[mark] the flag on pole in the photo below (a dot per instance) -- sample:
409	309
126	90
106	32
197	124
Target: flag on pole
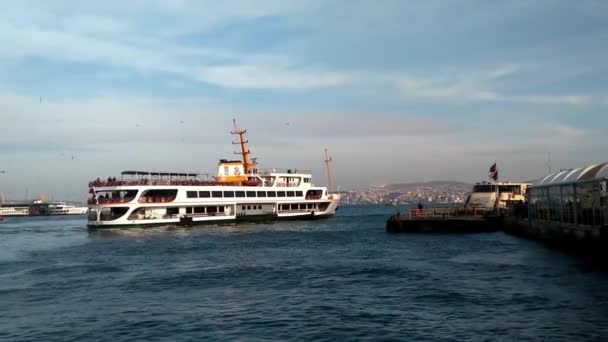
494	172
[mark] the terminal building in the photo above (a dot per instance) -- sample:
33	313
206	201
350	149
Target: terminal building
570	203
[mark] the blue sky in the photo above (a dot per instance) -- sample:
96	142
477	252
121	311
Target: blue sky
397	90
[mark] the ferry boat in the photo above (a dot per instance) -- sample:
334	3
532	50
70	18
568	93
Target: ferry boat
240	192
14	209
62	208
484	210
40	208
496	195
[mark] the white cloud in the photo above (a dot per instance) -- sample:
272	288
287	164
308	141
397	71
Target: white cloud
147	37
476	87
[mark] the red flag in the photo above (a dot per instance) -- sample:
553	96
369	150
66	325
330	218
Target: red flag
494	172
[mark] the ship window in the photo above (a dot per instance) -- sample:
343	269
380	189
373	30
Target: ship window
272	194
302	206
280	193
188	210
299	194
226	171
248	207
172	211
306	180
250	193
290	194
199	210
221	209
204	194
261	193
228	193
239	193
216	194
309	206
191	194
243	207
284	206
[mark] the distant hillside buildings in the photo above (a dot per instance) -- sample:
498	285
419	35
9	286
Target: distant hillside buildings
396	194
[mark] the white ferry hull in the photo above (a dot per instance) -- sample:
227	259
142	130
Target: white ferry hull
217	219
223	218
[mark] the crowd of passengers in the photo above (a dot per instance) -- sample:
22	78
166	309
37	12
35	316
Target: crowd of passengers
108	199
111	181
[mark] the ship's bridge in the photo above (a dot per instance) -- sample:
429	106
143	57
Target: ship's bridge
282	177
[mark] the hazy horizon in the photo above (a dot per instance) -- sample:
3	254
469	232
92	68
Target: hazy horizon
397	91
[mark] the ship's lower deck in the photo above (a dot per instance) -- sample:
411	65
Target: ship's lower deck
197	214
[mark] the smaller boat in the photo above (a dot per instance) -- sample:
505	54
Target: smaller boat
483	210
62	208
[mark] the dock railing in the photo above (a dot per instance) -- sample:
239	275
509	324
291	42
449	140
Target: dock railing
449	212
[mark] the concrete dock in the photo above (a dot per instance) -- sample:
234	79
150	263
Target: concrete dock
446	220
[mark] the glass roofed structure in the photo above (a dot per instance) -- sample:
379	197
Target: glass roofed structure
571	197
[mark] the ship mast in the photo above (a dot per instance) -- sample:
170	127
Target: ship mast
328	161
245	152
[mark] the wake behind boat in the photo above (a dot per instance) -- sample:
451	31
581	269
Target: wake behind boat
239	192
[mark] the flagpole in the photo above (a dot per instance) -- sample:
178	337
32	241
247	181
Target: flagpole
496	184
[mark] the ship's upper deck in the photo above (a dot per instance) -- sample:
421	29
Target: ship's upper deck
255	177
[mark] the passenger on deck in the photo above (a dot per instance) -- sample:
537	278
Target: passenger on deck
420	206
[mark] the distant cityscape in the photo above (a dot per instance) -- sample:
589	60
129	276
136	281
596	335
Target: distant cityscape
396	194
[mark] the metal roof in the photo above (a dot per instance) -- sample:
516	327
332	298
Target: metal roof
159	174
581	174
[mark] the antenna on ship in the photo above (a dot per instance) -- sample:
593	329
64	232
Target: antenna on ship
1	193
328	161
245	152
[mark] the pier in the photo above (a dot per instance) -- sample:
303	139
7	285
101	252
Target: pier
448	220
566	209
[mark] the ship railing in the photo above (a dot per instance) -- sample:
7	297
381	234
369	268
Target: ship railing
155	199
449	212
103	200
109	217
207	214
286	185
268	171
138	182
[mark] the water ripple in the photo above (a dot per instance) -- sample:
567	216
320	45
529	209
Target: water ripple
340	279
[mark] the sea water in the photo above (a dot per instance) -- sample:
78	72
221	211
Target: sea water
340	279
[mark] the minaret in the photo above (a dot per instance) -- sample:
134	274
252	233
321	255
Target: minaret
328	161
245	152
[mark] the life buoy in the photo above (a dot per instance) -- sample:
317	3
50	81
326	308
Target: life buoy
237	171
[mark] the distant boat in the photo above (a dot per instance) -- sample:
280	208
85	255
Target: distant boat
62	208
41	208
